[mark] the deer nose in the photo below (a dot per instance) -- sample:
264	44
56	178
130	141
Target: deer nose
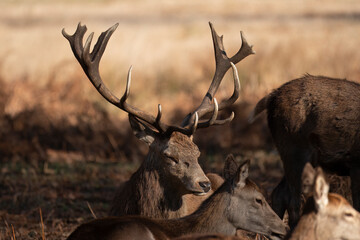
206	186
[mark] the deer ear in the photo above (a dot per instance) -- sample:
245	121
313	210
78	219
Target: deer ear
321	190
141	131
230	167
242	174
307	179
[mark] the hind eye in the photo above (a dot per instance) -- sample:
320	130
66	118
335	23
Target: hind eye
348	215
259	201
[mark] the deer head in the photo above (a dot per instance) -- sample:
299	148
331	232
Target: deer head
248	208
172	152
326	215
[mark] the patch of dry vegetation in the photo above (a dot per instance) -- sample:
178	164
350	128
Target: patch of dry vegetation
170	47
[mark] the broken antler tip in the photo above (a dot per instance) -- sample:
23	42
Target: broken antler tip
80	26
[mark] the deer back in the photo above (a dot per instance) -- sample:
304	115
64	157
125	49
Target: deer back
322	111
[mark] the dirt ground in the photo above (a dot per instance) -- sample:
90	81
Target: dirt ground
64	150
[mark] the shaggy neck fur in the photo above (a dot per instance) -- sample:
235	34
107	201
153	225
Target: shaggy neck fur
149	193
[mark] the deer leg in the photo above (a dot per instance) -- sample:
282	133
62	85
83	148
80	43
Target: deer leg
294	158
355	186
280	198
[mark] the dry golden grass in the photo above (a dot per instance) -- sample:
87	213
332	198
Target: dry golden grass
170	47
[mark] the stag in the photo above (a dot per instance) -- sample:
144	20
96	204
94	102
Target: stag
236	204
326	215
313	119
171	169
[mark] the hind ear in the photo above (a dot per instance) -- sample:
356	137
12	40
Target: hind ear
141	131
230	167
242	174
321	190
307	180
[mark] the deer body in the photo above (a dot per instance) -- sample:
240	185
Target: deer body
237	204
326	215
171	169
317	120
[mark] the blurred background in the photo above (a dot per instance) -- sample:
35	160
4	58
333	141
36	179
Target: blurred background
63	148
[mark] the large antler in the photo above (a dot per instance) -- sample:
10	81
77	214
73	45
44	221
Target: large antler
90	64
89	61
223	63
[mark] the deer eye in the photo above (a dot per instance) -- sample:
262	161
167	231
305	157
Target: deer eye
173	159
258	201
170	157
348	215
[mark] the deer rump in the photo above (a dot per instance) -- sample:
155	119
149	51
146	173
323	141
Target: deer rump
315	119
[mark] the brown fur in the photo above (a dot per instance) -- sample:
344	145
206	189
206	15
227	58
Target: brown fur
208	237
314	119
236	204
338	184
326	215
193	202
158	188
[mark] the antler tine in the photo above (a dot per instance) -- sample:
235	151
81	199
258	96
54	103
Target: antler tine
90	64
236	92
244	51
90	61
155	122
158	124
190	130
223	63
76	40
213	120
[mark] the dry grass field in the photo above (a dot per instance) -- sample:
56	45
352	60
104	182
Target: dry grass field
63	148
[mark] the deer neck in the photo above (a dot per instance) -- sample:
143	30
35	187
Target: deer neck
305	228
157	196
209	218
